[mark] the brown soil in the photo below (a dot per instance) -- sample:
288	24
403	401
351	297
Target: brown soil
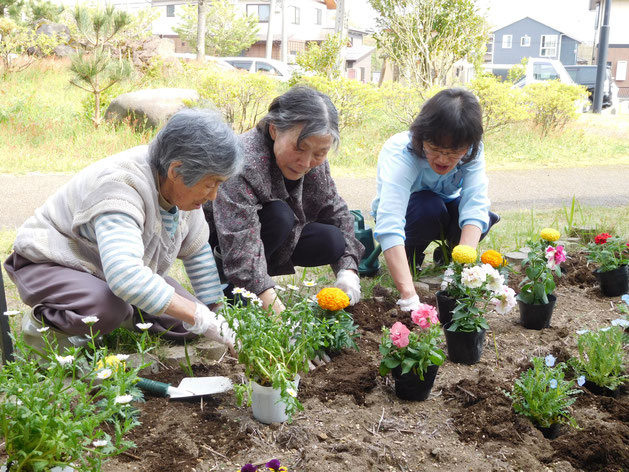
353	421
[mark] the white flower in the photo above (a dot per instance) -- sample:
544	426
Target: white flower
122	357
279	288
309	283
581	381
104	374
620	322
123	399
11	313
553	383
605	329
18	402
248	294
256	302
550	360
495	281
292	287
63	360
291	392
100	443
90	320
504	300
43	329
237	290
144	326
313	299
582	331
473	277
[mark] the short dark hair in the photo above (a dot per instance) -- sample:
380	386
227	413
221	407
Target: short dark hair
302	105
451	119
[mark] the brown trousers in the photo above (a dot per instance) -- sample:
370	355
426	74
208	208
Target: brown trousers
62	297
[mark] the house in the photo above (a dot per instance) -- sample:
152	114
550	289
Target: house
618	49
529	38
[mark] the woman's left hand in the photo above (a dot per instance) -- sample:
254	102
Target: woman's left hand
348	281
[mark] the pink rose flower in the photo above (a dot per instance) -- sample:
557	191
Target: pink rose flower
399	335
424	316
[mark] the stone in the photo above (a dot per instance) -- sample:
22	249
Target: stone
208	349
434	283
63	50
136	360
422	287
149	107
515	258
175	356
58	29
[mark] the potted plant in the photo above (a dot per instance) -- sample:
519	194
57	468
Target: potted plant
611	255
413	356
543	396
480	288
536	300
601	359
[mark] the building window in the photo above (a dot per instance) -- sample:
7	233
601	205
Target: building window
170	11
293	15
525	41
506	41
548	45
621	71
318	16
261	11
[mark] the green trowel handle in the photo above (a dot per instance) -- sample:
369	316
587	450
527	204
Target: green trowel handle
153	386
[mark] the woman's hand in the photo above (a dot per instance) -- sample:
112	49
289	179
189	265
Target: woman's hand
348	281
270	299
213	326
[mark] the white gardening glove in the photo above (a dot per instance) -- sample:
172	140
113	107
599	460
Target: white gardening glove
409	304
212	326
348	281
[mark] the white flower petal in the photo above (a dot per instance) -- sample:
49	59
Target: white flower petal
123	399
11	313
144	326
89	320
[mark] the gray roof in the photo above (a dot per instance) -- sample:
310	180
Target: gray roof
356	53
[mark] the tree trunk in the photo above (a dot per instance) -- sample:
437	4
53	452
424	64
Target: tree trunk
201	28
383	71
269	33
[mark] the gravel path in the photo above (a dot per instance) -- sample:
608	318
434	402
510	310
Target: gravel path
607	186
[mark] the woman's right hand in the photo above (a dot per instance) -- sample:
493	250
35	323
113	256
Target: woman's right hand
270	299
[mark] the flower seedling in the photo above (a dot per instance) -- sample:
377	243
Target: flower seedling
271	466
601	356
541	265
476	288
608	252
542	395
416	350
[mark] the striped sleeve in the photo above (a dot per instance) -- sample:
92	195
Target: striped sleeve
201	270
119	240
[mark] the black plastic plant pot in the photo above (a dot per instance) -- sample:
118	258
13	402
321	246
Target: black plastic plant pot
551	432
411	387
537	316
464	347
601	391
613	282
445	306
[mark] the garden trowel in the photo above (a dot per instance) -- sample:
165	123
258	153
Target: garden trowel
188	388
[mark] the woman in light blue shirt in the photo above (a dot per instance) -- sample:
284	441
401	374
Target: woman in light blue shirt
431	186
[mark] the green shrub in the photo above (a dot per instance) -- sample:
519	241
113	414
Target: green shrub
322	59
553	104
501	104
352	98
242	98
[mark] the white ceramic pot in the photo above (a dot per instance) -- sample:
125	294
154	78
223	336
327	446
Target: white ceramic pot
267	405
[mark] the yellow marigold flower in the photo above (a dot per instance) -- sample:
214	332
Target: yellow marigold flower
464	254
549	234
110	361
332	299
493	258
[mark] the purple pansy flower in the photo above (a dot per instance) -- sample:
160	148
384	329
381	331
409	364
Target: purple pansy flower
273	464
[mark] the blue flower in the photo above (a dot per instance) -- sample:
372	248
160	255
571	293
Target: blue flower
625	298
553	383
550	360
248	468
581	380
273	464
620	322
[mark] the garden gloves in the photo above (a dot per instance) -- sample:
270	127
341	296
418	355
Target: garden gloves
212	326
348	281
409	304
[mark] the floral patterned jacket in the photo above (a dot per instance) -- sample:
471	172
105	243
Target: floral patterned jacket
234	216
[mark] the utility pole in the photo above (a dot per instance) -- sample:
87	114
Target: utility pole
201	28
284	33
341	29
269	31
601	60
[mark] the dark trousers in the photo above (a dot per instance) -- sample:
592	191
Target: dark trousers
429	218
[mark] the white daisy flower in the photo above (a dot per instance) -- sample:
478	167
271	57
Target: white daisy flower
100	443
279	288
291	392
256	302
122	357
309	283
248	294
11	313
43	329
90	320
292	287
104	374
144	326
605	329
238	290
123	399
63	360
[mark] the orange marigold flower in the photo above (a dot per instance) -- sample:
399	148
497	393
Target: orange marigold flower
493	258
332	299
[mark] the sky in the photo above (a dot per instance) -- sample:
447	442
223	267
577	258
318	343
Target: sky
569	16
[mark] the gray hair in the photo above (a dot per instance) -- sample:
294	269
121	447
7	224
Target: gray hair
302	105
201	141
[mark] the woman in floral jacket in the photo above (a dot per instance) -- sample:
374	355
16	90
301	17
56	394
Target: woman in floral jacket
284	210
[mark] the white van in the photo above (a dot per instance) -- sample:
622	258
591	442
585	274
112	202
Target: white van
271	67
539	69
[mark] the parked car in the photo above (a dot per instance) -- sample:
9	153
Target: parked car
586	75
271	67
539	69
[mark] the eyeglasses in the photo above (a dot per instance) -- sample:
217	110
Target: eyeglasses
451	155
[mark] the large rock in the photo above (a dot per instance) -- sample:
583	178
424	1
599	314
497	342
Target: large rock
52	29
151	107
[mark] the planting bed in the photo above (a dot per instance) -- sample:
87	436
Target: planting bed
353	421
